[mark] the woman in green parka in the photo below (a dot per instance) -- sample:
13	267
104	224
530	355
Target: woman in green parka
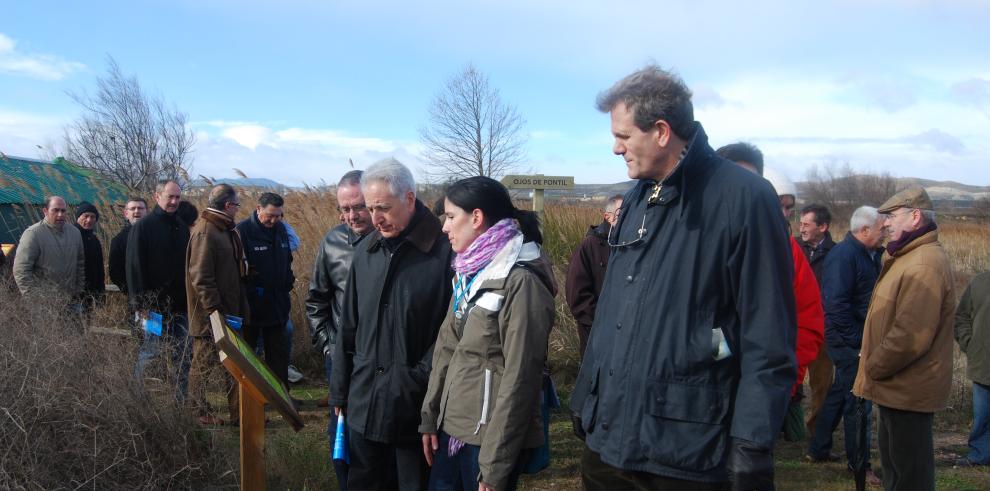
481	415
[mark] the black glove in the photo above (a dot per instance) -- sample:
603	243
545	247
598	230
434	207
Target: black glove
577	427
750	466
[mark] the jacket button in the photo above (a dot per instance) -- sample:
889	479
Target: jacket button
380	370
629	278
385	305
605	426
618	325
609	372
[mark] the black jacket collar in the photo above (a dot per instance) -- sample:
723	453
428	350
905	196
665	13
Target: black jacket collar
696	162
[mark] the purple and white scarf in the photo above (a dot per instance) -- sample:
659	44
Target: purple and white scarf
485	247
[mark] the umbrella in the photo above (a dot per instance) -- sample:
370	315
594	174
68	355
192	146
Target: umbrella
862	457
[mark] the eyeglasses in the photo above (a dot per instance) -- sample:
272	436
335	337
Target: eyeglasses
639	238
355	208
894	215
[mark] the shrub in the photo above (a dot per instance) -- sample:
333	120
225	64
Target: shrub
71	415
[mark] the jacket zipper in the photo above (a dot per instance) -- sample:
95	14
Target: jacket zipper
484	404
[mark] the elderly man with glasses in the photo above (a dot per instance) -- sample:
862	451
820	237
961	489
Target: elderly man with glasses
587	271
689	367
216	271
905	364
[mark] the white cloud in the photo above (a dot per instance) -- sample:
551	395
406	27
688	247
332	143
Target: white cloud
35	65
249	135
293	155
21	133
973	92
334	139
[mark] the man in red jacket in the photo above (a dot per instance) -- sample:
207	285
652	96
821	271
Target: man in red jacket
807	296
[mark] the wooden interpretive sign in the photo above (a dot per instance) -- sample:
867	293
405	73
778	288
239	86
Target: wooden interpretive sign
538	183
257	385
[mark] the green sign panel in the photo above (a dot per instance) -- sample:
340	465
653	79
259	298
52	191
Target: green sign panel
240	360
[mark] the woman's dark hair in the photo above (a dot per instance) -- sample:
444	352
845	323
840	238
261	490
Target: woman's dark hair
491	197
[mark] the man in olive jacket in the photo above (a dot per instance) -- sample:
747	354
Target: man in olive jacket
905	364
50	254
689	368
215	281
396	299
973	336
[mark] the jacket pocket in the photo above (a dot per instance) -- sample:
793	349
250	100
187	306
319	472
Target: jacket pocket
685	427
589	411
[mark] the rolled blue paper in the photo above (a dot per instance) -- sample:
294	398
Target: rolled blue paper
153	323
340	441
234	322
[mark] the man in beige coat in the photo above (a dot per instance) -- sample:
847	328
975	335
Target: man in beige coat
50	254
905	365
215	272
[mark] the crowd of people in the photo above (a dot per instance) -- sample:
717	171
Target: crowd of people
699	316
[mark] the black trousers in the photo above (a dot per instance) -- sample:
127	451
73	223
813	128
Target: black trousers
906	450
599	476
276	347
377	466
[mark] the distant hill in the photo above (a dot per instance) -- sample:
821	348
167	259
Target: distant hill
940	191
243	182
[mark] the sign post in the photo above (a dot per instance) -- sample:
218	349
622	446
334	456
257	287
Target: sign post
538	183
257	385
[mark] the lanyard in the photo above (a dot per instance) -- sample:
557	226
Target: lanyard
463	292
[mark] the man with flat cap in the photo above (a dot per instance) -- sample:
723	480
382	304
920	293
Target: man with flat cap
905	364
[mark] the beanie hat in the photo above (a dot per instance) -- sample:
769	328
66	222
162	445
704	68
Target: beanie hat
86	207
780	182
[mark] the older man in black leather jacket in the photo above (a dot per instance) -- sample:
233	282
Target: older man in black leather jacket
330	271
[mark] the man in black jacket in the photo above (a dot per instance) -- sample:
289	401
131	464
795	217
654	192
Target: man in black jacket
269	281
95	284
134	210
326	288
816	242
587	271
155	269
689	368
396	297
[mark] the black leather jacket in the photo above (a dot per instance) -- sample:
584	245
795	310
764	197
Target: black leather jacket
326	288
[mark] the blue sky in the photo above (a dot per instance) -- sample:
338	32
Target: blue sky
290	90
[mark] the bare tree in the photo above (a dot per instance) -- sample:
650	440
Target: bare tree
842	190
127	135
471	131
982	207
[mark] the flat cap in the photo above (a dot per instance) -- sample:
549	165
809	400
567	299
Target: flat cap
913	197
